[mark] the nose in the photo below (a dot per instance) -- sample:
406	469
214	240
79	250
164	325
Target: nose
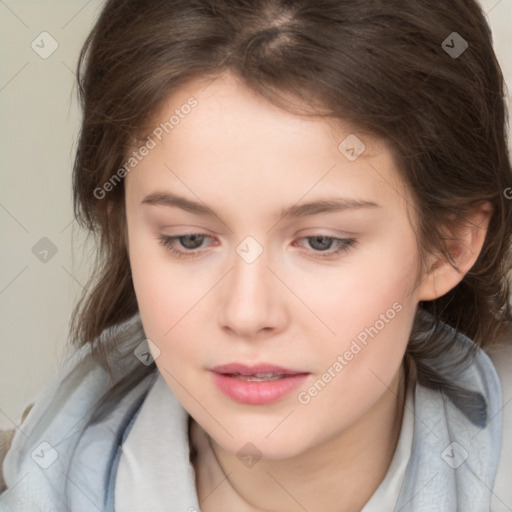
251	304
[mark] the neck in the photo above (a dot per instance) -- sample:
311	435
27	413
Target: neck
339	475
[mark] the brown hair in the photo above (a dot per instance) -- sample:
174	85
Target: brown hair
381	65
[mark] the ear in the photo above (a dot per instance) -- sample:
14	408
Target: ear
464	249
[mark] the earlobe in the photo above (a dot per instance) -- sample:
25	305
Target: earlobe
440	279
464	248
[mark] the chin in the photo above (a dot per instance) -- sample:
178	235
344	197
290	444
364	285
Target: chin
252	445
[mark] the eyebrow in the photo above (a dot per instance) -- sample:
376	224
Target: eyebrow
325	205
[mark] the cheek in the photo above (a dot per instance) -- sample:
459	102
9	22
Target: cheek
368	284
165	306
164	292
370	310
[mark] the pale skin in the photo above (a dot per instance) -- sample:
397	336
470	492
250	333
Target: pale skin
246	160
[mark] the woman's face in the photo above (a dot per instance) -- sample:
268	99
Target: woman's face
325	293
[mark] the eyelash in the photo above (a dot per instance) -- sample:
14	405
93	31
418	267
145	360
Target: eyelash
169	243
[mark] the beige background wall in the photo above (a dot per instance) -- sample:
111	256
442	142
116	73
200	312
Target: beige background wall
39	123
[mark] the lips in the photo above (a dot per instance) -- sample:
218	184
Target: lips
263	368
256	384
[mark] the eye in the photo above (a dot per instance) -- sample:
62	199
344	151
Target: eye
322	244
189	244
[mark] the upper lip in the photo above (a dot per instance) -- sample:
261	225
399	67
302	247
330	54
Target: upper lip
244	369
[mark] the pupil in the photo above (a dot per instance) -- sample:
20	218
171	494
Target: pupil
326	239
192	240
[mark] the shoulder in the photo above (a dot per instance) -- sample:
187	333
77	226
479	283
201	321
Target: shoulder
500	353
6	436
72	396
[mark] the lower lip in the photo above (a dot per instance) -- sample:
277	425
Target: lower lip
257	393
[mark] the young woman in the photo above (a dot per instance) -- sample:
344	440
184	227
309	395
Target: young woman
304	219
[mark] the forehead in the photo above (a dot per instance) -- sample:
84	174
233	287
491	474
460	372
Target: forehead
218	135
226	107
